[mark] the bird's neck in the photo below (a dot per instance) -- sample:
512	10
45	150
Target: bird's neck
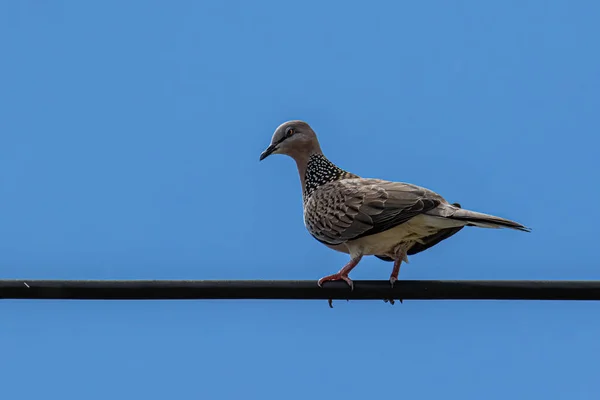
316	170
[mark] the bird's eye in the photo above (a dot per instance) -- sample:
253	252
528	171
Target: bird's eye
290	132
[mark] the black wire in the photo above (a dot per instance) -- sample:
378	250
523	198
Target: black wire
299	290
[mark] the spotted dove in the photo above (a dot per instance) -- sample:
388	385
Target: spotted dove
364	216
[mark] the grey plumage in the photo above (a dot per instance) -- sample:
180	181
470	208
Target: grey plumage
349	209
366	216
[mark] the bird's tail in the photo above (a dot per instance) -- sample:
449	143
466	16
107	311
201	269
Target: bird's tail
486	221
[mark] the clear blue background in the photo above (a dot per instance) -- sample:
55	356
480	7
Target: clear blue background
129	142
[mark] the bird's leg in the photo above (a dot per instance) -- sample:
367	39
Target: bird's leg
342	274
400	256
395	271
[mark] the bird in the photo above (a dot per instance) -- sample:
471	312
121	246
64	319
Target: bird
369	216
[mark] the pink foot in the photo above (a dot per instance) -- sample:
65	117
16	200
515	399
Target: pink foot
336	277
395	270
342	274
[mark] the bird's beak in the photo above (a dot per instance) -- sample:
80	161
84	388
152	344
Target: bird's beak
268	151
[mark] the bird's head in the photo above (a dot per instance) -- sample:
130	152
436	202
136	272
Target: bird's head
293	138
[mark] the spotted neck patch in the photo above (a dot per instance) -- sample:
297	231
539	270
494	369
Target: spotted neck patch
319	171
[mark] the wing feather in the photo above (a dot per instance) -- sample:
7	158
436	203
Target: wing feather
352	208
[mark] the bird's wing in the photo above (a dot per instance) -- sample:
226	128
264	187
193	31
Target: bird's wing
352	208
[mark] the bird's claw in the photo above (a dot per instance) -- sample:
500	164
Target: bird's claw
330	301
392	301
336	277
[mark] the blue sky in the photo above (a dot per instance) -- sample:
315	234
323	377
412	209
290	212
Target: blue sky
130	136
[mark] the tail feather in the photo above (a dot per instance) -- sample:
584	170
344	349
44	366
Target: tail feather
486	221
